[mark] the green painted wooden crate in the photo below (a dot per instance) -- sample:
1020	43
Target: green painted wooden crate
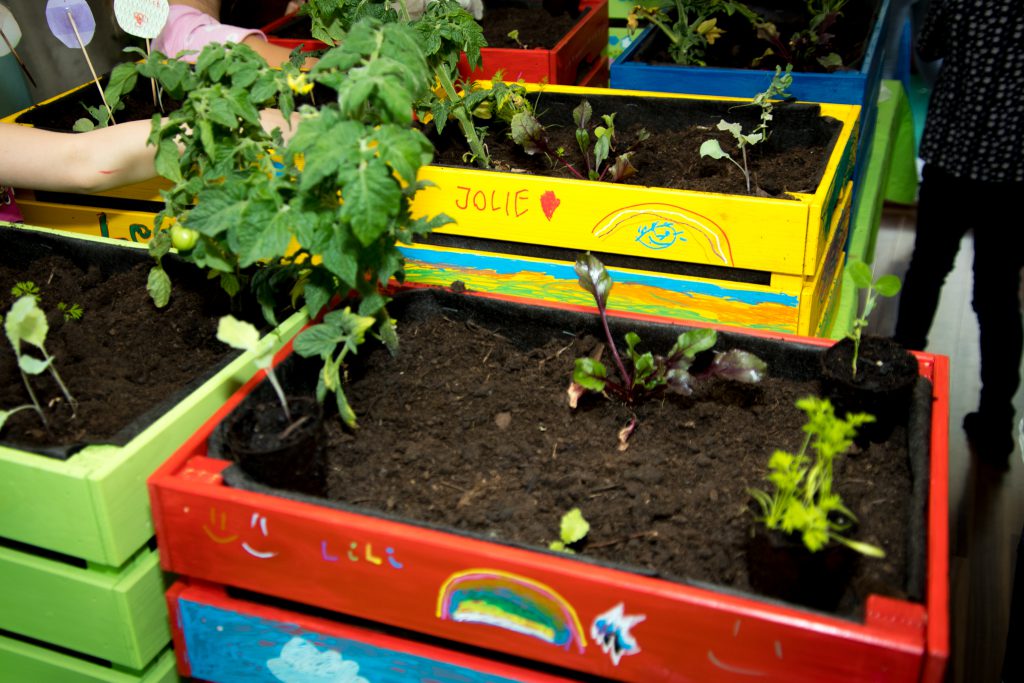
81	592
24	662
117	616
94	506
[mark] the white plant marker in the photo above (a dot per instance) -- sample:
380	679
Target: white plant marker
10	36
143	19
73	24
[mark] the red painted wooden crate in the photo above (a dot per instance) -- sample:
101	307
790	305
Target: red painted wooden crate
403	575
577	59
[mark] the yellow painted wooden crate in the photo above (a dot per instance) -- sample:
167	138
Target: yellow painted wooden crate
781	236
778	302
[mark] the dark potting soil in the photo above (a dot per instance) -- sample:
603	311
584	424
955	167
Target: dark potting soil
537	27
792	159
739	46
469	430
120	360
61	114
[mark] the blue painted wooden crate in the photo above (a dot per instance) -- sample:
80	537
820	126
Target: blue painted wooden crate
859	86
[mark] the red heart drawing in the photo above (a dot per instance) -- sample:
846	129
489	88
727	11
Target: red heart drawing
549	202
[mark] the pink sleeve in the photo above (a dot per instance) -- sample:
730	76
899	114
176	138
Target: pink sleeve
189	29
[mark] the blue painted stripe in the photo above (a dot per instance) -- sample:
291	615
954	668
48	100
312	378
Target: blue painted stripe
562	271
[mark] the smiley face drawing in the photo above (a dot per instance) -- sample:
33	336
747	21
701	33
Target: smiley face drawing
216	529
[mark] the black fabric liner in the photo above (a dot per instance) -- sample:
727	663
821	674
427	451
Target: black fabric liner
22	246
530	326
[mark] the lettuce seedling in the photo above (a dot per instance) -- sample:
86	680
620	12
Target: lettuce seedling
863	278
803	501
781	82
26	322
572	529
244	336
650	373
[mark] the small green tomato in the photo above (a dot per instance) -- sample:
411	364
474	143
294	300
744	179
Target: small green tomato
182	238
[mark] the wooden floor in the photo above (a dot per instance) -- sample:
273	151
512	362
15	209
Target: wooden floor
986	506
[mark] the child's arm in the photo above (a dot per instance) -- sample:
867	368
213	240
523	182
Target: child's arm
75	162
98	160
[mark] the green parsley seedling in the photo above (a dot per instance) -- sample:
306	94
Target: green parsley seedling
70	311
803	501
26	288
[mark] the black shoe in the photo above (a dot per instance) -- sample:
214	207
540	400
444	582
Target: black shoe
992	439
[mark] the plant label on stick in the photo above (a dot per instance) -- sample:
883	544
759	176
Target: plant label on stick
12	32
72	22
10	36
141	18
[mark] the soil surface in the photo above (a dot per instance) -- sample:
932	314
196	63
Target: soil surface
538	27
792	159
124	357
740	45
469	428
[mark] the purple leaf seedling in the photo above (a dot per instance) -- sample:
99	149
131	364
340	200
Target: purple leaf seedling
650	374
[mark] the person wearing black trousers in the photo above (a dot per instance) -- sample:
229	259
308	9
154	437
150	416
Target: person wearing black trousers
973	178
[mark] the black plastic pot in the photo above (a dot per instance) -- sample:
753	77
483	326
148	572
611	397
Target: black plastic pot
781	566
271	449
883	385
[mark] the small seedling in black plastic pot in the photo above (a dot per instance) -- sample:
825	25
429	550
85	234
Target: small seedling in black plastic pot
800	549
863	278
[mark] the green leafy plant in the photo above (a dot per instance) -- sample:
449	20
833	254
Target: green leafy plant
332	19
26	323
120	82
340	334
690	25
70	311
446	31
242	335
313	218
572	529
863	279
803	500
648	374
810	45
596	143
26	288
778	87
